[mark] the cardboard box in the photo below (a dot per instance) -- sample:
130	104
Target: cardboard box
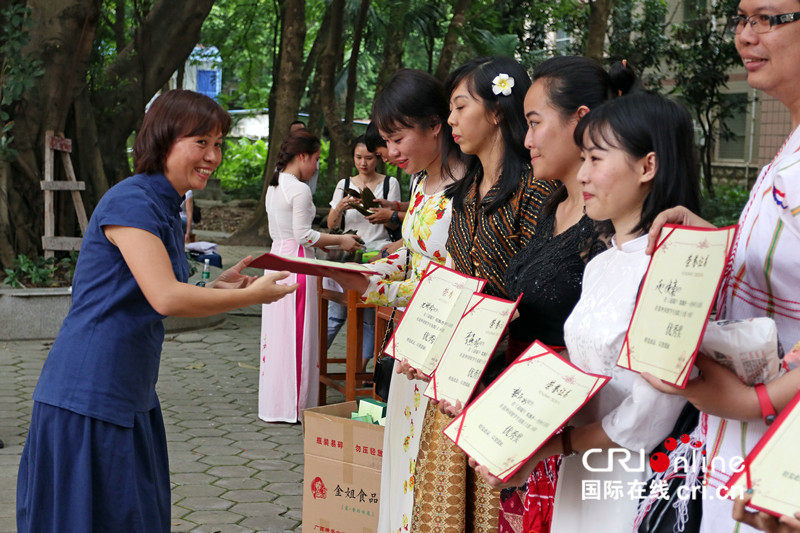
342	473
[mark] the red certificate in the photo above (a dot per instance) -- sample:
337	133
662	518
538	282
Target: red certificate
305	265
530	401
772	469
675	301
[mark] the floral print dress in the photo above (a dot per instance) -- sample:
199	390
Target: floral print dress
425	230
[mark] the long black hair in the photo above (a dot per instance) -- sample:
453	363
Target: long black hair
641	123
479	75
575	81
415	99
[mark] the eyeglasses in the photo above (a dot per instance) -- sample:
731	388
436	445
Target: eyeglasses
760	23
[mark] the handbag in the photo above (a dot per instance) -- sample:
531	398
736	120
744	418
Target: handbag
384	366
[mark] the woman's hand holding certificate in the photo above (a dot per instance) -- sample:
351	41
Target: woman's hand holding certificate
438	303
522	409
475	338
675	301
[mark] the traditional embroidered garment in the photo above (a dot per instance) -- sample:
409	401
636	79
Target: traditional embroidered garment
425	234
764	281
289	373
482	244
632	413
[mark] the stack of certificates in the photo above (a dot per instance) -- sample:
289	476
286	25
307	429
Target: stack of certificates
370	411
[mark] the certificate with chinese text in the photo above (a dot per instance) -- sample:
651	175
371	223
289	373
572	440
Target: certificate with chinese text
772	469
675	301
522	409
465	358
439	301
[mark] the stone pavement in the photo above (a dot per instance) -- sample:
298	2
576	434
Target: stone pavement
230	471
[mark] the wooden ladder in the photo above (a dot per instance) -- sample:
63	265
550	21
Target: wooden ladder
50	241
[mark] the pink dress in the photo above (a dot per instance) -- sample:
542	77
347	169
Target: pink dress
289	373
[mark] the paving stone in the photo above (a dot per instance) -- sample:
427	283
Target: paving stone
222	528
198	491
224	460
275	464
235	483
213	517
206	504
192	478
289	489
186	465
270	524
245	496
231	471
278	476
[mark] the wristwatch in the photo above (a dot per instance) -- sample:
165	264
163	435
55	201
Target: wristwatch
395	218
767	409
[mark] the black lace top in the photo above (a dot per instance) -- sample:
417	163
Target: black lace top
548	272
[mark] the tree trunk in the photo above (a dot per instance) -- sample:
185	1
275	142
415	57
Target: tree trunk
393	44
599	11
61	38
160	45
451	39
287	104
339	131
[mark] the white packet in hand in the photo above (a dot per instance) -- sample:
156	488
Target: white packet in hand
748	347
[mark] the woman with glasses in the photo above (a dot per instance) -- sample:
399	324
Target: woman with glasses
763	277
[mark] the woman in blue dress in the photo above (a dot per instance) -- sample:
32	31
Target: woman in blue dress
96	454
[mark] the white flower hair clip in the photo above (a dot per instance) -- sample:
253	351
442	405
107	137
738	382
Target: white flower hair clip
502	84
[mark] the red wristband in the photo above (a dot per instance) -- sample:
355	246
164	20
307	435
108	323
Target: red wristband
767	409
397	204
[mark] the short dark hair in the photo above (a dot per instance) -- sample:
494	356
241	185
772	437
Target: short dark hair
172	116
373	139
479	75
296	143
415	99
641	123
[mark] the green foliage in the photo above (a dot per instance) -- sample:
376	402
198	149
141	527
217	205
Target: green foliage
40	272
701	56
246	35
726	205
18	71
640	36
242	167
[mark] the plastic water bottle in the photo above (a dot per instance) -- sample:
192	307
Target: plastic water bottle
206	269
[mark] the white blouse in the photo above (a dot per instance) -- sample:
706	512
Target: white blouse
633	414
290	211
374	235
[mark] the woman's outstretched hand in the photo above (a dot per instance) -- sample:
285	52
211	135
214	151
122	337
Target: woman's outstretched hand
267	289
233	278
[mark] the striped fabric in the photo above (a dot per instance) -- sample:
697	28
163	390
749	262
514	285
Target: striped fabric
482	245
